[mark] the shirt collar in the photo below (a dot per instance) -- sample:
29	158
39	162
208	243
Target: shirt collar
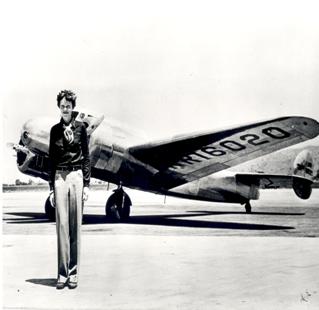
72	122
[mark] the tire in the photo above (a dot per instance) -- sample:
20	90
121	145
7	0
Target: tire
114	209
49	210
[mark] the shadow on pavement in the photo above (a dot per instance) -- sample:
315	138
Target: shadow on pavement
164	220
243	212
26	218
46	282
172	221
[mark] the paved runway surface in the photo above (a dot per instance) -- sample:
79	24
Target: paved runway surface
178	255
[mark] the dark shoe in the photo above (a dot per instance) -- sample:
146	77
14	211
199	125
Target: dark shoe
72	285
60	285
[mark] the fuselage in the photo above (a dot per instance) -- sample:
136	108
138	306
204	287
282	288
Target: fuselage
112	162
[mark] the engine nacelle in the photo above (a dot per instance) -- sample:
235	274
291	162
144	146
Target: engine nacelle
230	186
303	171
30	163
223	187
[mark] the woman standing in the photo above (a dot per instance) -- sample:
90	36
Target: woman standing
69	178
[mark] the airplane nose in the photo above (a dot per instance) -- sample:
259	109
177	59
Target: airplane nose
25	137
35	134
28	131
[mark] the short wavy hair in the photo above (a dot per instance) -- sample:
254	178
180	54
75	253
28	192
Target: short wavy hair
69	95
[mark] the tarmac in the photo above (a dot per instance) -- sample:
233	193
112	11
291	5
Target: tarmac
178	255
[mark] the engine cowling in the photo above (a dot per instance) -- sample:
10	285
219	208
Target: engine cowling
303	174
31	164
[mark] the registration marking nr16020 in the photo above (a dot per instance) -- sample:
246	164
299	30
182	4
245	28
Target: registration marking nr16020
229	146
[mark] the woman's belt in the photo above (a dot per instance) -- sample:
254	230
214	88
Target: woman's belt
69	168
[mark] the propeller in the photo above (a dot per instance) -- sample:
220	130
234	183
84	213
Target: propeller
11	149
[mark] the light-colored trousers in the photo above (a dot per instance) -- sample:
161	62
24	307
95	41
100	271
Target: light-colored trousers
68	193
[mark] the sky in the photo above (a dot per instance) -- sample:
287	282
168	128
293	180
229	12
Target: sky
164	67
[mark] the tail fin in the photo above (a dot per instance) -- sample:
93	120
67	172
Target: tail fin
303	165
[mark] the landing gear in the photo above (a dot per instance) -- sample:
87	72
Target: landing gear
118	206
248	207
49	208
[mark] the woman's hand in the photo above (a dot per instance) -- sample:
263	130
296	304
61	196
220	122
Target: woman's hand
51	197
86	191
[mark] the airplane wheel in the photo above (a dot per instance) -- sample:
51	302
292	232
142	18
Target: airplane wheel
115	209
49	210
248	207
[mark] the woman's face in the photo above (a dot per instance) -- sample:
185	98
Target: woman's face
66	109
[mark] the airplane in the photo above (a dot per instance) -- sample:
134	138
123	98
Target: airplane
195	166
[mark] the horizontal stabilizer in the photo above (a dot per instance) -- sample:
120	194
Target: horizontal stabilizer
269	181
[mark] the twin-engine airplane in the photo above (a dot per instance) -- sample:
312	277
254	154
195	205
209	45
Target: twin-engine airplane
193	166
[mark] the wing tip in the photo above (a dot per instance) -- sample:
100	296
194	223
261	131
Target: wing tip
308	125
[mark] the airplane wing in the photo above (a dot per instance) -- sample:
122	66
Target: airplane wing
191	157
